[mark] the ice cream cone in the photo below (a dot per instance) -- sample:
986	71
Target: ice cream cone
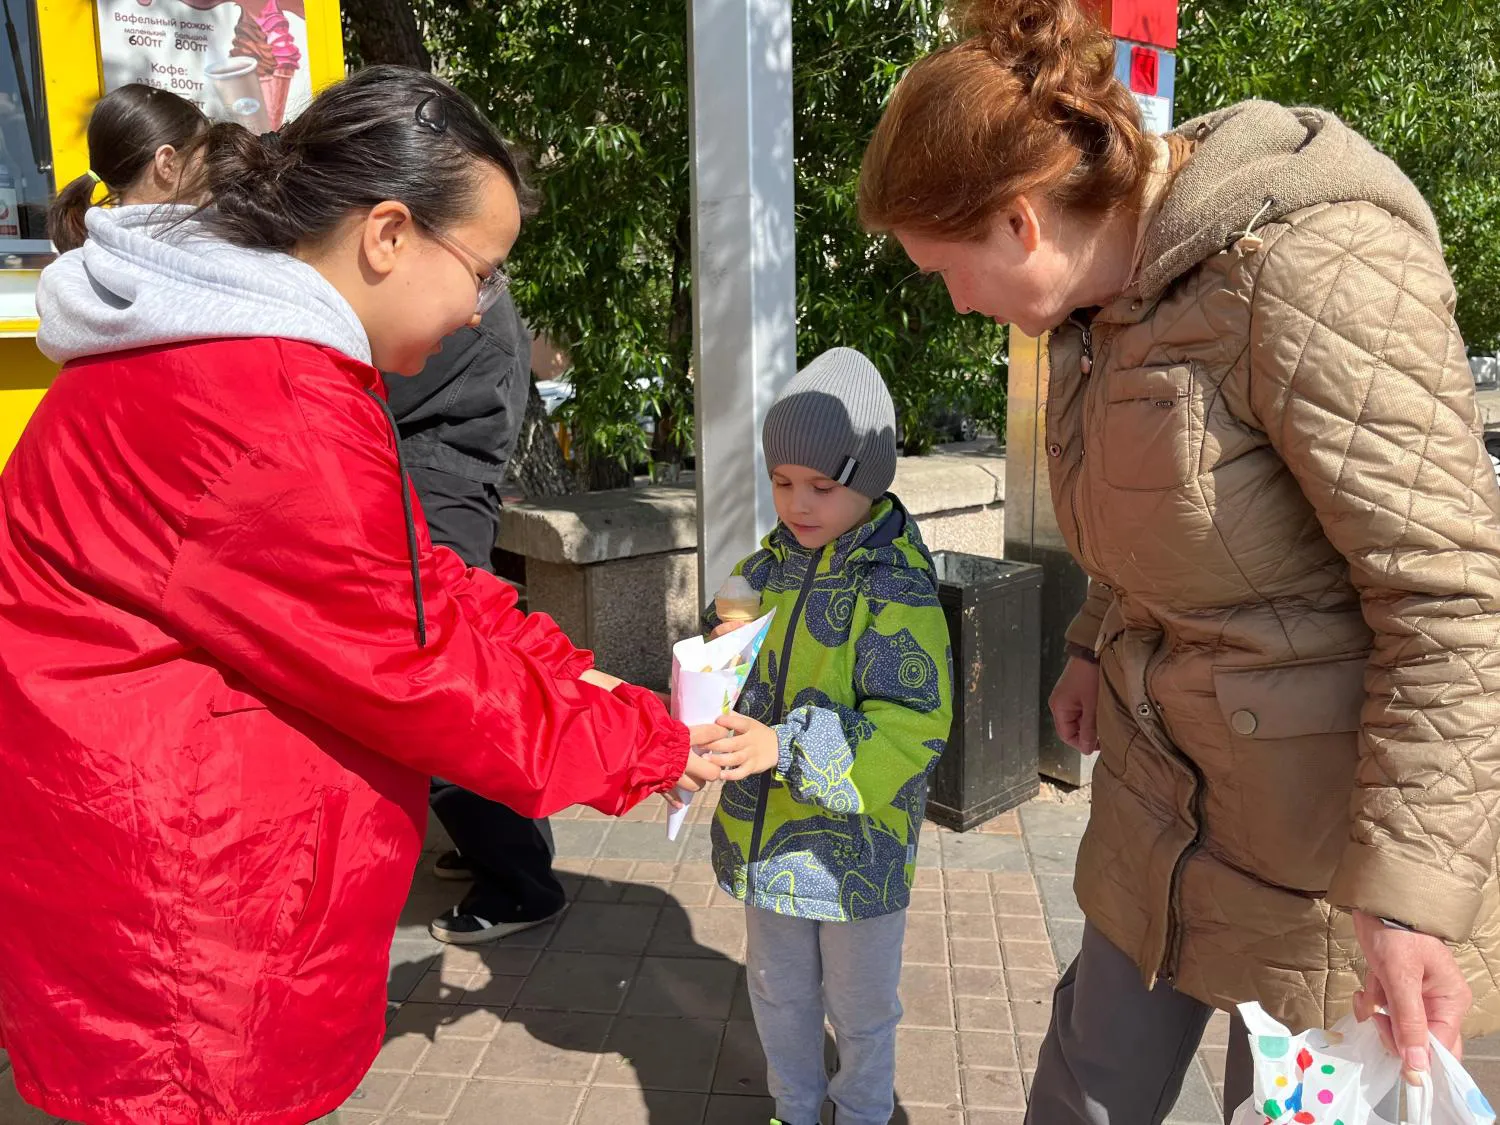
729	610
737	601
276	87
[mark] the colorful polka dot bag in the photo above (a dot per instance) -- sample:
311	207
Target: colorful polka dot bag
1345	1076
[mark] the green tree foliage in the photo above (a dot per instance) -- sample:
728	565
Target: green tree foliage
598	90
1419	78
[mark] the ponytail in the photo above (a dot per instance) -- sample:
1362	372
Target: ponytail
126	130
65	218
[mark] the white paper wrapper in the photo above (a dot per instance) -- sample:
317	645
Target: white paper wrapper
707	677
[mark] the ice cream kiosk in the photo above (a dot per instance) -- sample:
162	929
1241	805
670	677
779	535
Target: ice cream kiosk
253	61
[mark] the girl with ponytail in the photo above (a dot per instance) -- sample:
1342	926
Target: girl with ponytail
1262	441
137	138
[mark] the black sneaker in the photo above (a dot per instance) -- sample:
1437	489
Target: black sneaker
459	928
452	866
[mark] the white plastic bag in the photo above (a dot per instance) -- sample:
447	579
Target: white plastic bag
1345	1076
707	677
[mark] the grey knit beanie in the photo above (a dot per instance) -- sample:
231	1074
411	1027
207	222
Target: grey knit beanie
836	417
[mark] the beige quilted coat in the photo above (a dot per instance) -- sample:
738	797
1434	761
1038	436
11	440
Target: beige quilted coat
1273	477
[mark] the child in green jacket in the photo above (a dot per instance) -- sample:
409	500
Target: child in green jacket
839	724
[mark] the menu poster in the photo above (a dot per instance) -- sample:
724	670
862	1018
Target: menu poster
237	60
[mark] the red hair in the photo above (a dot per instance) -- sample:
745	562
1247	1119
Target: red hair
1025	103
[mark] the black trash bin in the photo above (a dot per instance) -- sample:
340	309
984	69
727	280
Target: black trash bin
994	611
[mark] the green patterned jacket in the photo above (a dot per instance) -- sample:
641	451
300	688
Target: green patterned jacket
856	677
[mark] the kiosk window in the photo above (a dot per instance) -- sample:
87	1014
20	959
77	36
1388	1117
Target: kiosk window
25	145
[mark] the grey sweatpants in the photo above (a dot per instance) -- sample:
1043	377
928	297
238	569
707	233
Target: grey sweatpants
1116	1054
799	971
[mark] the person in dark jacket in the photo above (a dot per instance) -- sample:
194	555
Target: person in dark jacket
458	421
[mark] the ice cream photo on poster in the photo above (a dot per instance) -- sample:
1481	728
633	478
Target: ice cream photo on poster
270	34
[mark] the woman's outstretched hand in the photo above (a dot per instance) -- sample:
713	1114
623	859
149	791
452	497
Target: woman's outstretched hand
701	770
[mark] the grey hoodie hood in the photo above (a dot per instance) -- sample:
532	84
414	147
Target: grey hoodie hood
152	275
1257	162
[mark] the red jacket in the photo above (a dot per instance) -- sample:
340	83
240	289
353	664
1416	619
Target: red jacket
217	723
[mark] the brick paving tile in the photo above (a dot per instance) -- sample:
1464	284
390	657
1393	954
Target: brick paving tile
426	1096
1007	882
976	954
661	1054
993	1089
927	1066
452	1058
1027	985
686	987
472	1023
608	1106
700	932
926	940
926	902
996	1117
980	1013
578	982
984	983
1023	905
725	1109
928	879
970	902
695	873
1006	824
741	1067
926	997
1032	1016
374	1094
932	1115
1013	928
1217	1032
503	960
492	992
485	1102
546	1047
1033	955
987	1050
967	881
606	928
972	927
443	985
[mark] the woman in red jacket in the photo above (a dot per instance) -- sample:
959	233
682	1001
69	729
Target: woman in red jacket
229	656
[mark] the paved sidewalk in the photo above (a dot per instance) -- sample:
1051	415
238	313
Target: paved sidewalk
632	1010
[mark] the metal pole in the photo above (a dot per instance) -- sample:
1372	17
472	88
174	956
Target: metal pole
744	271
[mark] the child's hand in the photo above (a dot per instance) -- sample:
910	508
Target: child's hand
752	748
725	627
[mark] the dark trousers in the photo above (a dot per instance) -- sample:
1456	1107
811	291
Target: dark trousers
1116	1053
510	855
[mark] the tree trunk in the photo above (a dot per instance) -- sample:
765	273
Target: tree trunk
386	31
537	465
664	450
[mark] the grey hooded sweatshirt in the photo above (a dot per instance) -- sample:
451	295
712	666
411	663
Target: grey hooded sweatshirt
151	275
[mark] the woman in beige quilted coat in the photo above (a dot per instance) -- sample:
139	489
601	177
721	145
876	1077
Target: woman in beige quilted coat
1264	451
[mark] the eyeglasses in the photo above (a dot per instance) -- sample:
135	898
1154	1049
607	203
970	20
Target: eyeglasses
494	282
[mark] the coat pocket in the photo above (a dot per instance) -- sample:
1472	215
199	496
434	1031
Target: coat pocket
1293	734
309	894
1148	429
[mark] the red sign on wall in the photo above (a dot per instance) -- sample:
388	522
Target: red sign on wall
1145	71
1144	21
